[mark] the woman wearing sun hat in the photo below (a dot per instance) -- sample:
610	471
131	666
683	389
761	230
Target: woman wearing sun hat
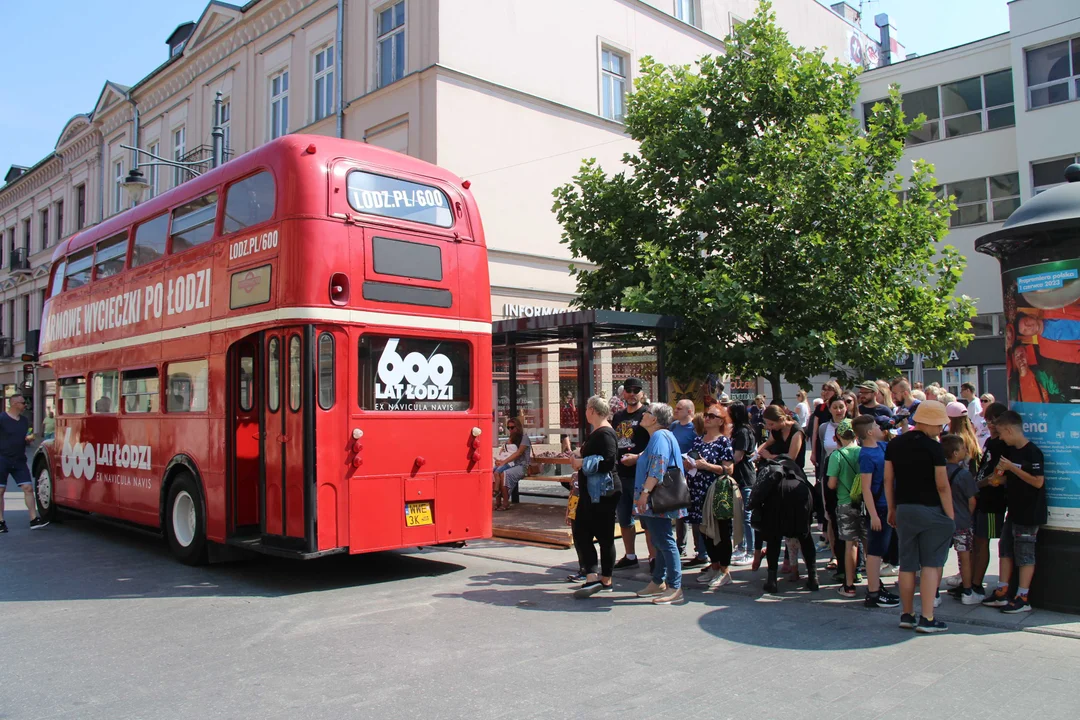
920	508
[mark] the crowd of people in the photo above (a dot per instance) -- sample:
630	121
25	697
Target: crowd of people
890	477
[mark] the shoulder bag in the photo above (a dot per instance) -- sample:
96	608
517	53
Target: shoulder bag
671	493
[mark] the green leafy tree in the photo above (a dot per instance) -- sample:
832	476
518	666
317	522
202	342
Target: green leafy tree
758	210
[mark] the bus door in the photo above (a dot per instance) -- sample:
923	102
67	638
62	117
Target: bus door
245	407
283	427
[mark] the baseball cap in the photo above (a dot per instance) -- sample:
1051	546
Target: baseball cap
931	412
633	384
869	385
956	409
885	422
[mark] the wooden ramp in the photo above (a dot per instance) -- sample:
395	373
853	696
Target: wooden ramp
534	523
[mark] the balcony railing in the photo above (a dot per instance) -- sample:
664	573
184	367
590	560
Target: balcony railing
203	154
20	261
7	348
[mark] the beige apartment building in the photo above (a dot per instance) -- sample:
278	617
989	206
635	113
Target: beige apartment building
510	94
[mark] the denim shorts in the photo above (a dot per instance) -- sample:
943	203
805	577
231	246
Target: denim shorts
850	523
624	511
925	534
1018	542
17	469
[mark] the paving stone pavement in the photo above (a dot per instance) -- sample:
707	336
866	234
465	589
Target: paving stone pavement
98	622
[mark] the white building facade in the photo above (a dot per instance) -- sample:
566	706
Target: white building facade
1002	126
510	94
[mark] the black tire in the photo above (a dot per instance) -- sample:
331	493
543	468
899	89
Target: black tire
43	491
186	537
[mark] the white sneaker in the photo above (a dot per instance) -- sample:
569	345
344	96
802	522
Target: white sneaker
742	560
888	570
973	598
937	601
720	580
706	576
953	580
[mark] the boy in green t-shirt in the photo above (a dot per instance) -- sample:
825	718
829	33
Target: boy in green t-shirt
842	471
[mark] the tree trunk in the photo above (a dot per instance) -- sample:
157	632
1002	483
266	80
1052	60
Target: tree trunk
777	391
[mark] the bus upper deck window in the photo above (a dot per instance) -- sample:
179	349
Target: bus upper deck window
150	240
193	223
399	199
111	256
248	202
78	268
58	279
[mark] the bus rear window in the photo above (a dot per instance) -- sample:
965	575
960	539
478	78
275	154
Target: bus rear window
399	199
404	374
72	395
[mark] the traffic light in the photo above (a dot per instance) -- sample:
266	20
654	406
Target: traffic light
28	380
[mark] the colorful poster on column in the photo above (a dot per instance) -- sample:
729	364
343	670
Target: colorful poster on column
1042	340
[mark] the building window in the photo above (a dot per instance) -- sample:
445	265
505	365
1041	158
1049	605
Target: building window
1004	196
686	10
27	232
988	325
44	228
324	82
59	220
1048	173
953	378
179	138
152	171
390	44
982	200
1053	73
80	207
226	128
279	104
998	91
118	186
613	85
923	102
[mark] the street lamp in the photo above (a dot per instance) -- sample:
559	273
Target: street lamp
135	184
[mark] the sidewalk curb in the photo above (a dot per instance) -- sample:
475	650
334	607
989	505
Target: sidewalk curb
748	591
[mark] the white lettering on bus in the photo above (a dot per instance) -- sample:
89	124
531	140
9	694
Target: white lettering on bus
380	199
427	378
257	243
185	293
83	459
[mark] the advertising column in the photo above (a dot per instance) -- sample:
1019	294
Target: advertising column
1042	342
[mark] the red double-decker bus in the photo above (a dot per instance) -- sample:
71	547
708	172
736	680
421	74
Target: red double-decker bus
290	353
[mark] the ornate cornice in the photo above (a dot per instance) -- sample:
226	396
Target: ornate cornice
32	181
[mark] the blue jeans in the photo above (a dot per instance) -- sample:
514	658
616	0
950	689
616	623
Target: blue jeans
668	566
747	545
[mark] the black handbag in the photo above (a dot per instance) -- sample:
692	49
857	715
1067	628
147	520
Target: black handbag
672	493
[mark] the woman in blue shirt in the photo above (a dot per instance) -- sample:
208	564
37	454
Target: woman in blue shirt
661	453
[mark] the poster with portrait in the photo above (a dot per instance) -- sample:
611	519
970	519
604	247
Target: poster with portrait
1042	343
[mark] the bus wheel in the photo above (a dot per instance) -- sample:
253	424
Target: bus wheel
185	521
43	491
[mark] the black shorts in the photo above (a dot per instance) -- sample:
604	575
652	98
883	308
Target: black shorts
17	469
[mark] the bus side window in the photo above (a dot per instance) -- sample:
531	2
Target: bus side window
193	223
150	240
139	390
248	202
105	388
79	267
72	396
111	256
186	386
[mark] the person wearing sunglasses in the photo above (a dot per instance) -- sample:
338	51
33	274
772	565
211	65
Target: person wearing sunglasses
990	503
710	460
517	454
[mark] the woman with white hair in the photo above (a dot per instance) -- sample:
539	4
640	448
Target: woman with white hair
661	453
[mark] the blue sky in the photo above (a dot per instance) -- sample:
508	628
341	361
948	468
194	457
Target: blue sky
57	54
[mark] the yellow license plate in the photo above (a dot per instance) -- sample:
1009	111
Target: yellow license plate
418	513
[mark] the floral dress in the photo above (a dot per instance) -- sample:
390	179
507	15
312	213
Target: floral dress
715	453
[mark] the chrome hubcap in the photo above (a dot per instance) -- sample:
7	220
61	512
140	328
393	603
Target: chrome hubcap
44	489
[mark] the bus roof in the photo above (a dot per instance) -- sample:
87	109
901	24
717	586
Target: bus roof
274	154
